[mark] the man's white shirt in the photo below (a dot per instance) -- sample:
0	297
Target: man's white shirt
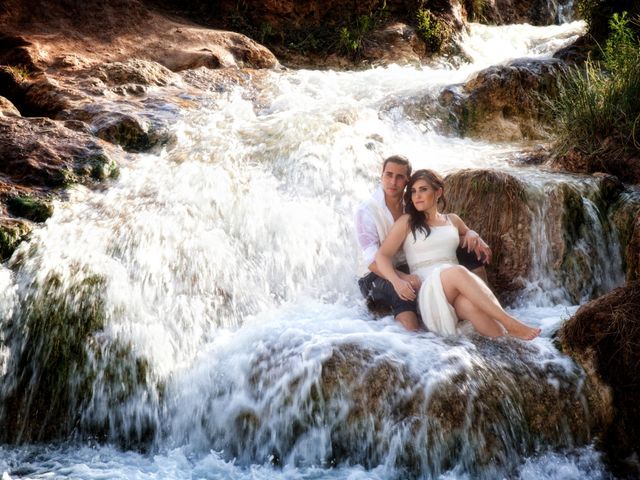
373	222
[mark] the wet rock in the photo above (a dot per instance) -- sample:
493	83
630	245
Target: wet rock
478	410
603	336
12	232
43	153
576	53
60	357
132	131
503	103
29	207
495	205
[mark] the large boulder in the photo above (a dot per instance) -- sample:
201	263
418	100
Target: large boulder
603	336
495	205
477	404
566	239
44	153
503	102
8	109
502	12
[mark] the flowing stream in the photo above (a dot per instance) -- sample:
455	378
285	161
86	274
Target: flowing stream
199	318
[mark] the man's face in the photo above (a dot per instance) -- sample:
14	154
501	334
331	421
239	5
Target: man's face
394	179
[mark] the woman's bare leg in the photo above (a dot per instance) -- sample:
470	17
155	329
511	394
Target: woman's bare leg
482	322
459	281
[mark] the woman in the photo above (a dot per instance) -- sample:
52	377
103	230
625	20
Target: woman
449	292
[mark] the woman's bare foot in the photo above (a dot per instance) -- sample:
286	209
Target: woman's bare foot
522	331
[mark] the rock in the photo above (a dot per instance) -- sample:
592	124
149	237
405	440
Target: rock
603	336
136	71
626	218
132	131
43	153
395	43
576	53
59	354
495	205
608	160
502	103
503	12
12	232
30	207
475	410
7	109
17	51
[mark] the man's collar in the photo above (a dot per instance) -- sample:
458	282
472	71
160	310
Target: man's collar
378	196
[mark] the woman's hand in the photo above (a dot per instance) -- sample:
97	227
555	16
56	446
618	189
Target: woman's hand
473	243
404	289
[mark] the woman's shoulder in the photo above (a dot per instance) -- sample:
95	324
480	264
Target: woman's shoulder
453	218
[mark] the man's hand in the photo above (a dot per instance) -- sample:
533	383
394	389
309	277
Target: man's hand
414	280
404	289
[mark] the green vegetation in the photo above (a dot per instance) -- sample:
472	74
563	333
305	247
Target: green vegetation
476	10
29	207
430	29
352	37
19	72
598	107
11	234
58	354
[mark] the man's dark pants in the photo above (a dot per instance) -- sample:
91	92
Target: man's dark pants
381	295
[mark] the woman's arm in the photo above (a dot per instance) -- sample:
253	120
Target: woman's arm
384	256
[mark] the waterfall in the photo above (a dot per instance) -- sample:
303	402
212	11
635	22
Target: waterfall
203	307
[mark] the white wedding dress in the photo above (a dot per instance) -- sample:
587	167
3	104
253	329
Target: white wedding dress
427	257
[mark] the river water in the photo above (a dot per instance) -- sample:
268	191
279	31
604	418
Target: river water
225	264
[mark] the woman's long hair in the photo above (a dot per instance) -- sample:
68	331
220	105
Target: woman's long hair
418	220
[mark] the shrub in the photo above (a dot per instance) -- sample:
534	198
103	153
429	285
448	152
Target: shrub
430	29
352	37
598	108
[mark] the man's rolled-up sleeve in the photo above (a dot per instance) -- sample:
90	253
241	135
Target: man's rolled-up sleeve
367	235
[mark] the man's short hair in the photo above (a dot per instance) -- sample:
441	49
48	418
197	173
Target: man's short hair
400	160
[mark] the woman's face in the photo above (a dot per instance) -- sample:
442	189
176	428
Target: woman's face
423	196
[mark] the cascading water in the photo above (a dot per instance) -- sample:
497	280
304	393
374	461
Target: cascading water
204	307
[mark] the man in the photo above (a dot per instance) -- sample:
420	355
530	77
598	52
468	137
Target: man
374	219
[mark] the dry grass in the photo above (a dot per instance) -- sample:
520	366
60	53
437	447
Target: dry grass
608	330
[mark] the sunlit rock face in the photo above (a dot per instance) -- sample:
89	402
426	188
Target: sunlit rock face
603	336
43	152
8	109
504	102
